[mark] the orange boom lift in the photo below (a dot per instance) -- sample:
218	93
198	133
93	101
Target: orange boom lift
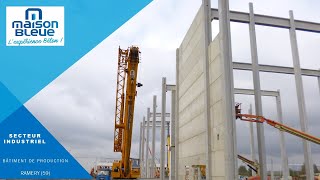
281	127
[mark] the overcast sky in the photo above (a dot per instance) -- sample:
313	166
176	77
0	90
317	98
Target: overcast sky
78	107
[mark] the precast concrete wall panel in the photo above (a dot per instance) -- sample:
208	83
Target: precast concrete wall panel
191	139
192	130
218	113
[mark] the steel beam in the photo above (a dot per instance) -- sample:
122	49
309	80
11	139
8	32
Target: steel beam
243	17
275	69
257	95
300	95
284	157
153	136
228	101
206	5
147	144
162	144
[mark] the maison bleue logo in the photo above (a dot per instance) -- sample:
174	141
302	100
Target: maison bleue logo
35	26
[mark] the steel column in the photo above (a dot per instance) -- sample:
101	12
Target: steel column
177	118
252	150
153	136
163	118
300	95
284	157
207	118
147	150
257	95
143	148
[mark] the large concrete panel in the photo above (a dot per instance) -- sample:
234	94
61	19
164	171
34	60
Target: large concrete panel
191	139
191	122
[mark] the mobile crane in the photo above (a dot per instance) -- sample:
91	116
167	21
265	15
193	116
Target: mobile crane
128	60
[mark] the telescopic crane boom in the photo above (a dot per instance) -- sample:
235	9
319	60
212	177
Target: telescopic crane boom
128	61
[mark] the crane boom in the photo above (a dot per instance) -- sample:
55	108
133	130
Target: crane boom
128	61
281	127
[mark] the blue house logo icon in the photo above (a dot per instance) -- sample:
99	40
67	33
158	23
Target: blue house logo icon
33	12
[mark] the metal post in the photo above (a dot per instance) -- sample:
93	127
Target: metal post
173	135
300	95
257	95
147	151
177	118
163	118
253	154
154	136
143	148
285	168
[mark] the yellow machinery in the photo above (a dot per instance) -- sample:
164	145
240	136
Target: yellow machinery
128	61
252	165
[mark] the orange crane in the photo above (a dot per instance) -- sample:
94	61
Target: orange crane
128	60
281	127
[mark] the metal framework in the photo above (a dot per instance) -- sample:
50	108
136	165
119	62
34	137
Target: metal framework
122	66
